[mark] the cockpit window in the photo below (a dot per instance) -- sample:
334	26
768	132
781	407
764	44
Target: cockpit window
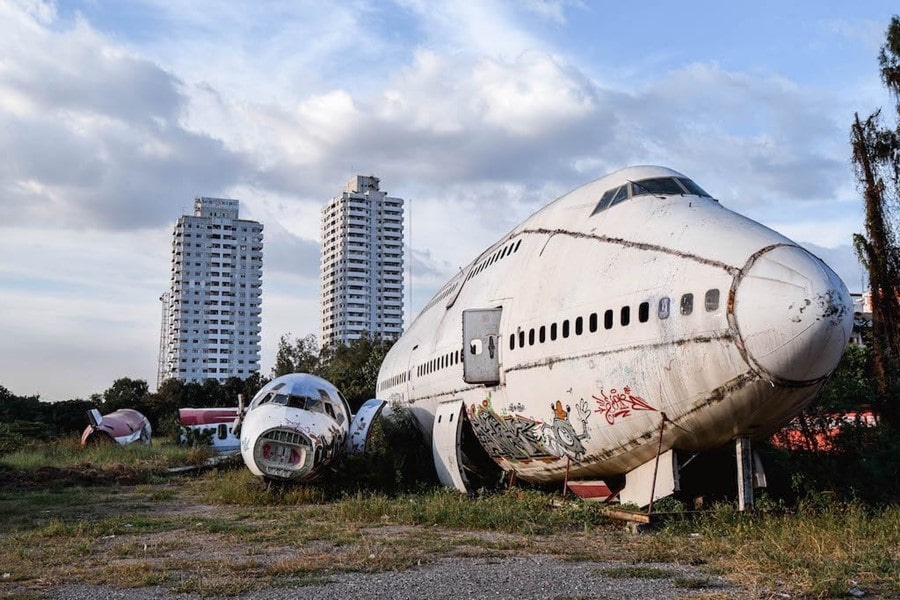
692	187
621	195
267	398
662	186
605	199
297	402
292	401
654	186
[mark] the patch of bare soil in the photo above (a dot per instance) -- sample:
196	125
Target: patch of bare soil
82	474
168	542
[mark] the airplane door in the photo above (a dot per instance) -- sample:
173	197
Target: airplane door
481	344
411	374
445	439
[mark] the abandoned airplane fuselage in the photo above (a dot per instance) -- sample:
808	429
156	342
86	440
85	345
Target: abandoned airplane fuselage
295	427
631	308
124	426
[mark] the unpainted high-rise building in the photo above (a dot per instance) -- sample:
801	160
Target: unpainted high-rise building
212	313
362	264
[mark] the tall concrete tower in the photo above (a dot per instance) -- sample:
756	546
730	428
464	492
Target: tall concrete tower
362	264
212	312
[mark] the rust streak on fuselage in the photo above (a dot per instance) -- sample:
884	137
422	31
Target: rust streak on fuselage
450	393
731	270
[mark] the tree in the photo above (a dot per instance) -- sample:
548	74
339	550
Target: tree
19	408
299	356
876	159
834	446
162	406
234	386
353	368
68	416
125	393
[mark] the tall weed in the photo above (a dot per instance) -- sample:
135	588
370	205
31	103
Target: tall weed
824	547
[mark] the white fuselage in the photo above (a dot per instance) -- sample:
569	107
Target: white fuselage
597	339
295	427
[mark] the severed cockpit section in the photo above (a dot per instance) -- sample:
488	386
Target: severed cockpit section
294	428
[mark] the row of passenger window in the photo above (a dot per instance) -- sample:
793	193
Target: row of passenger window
510	248
577	326
392	381
565	329
443	294
430	366
439	362
568	328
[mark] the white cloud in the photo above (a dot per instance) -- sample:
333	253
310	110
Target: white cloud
92	136
479	28
869	33
554	10
532	96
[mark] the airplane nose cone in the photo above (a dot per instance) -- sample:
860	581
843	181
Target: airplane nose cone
793	315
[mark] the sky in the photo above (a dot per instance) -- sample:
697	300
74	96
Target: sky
115	114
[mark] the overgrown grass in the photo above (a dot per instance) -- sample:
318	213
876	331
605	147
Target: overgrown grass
295	535
241	487
35	507
822	549
65	462
68	453
518	511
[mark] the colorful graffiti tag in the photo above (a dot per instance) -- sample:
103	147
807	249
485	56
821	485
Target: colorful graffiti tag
619	404
564	434
513	437
520	438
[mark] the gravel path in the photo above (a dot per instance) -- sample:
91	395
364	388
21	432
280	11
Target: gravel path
520	578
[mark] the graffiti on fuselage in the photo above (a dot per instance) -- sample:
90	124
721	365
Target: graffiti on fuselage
512	437
520	438
619	404
568	442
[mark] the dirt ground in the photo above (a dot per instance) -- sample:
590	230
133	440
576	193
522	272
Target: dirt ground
161	540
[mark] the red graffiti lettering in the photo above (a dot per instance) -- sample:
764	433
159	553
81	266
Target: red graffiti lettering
619	404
